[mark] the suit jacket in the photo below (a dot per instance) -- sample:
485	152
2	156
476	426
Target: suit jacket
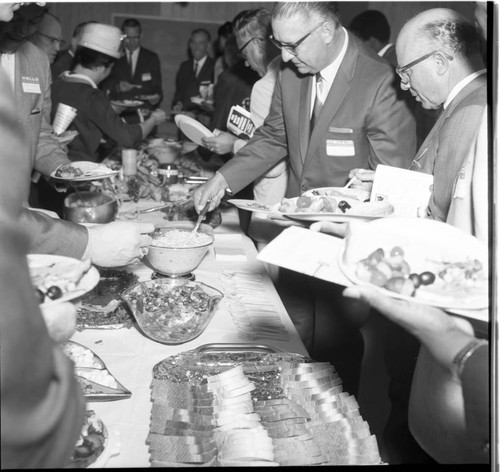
62	63
49	397
32	93
443	152
187	85
362	123
147	73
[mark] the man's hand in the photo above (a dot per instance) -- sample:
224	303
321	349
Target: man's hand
221	143
159	116
365	179
125	86
443	335
327	227
118	243
60	320
212	190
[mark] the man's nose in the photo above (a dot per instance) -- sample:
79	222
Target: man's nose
285	55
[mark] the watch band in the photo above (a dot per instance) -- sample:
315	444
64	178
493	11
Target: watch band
466	352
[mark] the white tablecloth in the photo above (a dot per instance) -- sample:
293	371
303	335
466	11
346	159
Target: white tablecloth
130	356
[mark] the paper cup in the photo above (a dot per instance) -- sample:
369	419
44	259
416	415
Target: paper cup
129	161
64	116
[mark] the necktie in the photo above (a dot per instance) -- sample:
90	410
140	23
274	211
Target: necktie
195	68
318	104
130	64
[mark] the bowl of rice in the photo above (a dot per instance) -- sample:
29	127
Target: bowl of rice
176	250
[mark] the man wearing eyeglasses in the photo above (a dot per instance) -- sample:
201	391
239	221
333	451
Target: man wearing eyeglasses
441	66
359	120
48	36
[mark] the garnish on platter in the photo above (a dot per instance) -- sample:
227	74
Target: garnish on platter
59	278
97	383
83	171
418	259
103	307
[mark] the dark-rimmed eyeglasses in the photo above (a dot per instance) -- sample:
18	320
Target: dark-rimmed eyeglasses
403	71
61	42
240	50
292	48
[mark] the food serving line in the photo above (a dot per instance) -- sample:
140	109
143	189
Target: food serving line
131	356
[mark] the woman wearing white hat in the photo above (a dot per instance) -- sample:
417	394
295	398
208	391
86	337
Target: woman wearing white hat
97	50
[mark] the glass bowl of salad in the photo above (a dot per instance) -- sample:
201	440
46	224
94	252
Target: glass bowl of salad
172	311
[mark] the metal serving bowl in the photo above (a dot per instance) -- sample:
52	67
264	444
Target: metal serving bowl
168	152
178	261
90	207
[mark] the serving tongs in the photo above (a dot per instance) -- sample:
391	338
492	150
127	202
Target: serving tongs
156	208
201	216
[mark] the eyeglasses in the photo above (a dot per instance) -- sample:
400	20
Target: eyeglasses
292	48
61	42
403	71
132	37
240	50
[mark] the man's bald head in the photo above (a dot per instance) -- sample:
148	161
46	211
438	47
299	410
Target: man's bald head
48	36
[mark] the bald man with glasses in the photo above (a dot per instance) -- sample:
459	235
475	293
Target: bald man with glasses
359	120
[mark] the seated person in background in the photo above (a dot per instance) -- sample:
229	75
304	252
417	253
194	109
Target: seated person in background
197	69
97	51
48	36
251	28
137	73
42	406
64	59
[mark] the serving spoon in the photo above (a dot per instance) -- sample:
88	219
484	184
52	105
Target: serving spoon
201	216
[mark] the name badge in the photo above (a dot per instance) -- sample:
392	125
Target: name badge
146	76
340	147
31	85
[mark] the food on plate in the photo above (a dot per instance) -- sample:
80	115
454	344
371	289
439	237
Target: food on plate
328	204
103	306
176	238
82	356
387	268
98	376
54	279
74	171
171	313
69	172
91	442
341	193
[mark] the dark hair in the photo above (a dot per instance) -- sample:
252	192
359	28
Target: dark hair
79	27
256	22
225	30
371	24
327	10
201	30
457	34
91	59
131	23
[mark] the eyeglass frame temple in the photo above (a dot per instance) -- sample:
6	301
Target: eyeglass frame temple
403	69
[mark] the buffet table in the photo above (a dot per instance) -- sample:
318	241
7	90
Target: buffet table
130	356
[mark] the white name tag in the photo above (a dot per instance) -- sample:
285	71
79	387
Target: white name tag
31	84
146	77
339	147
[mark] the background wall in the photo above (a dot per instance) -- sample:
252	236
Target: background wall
162	36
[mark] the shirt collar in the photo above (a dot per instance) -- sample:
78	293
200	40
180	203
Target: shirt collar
384	49
201	62
81	77
456	90
330	71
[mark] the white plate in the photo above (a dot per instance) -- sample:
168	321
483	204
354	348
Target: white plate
424	241
93	171
86	283
193	129
251	205
368	211
358	194
67	136
128	103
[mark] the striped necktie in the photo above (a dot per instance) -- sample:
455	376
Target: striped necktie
318	104
195	69
130	63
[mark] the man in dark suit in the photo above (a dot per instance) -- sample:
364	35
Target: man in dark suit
197	69
137	74
372	27
358	119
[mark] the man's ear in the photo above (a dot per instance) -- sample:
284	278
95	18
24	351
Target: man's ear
442	63
328	31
